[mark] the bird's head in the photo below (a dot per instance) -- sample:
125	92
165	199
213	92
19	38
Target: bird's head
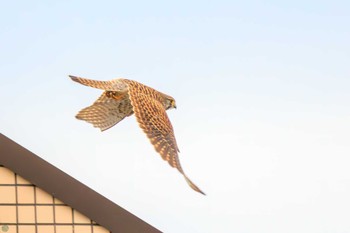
169	102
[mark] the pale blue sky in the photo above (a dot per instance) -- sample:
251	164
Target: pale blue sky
263	117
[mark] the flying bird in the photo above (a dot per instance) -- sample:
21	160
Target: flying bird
122	98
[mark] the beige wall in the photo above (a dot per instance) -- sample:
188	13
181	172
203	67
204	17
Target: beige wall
25	208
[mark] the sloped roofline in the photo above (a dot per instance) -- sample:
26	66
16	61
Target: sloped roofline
69	190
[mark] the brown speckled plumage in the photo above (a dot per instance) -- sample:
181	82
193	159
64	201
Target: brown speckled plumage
122	98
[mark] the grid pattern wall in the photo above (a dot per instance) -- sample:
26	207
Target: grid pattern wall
25	208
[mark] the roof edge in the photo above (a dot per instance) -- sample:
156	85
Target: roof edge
62	186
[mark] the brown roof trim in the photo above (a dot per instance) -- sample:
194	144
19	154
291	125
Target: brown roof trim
69	190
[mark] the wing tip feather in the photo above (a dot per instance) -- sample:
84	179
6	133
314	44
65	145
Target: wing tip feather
193	186
74	78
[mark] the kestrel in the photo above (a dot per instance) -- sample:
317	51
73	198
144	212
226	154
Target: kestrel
121	98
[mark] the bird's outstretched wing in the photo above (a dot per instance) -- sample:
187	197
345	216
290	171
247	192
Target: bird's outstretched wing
112	85
153	120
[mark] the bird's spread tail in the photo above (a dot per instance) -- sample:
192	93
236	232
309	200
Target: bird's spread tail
192	185
99	116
